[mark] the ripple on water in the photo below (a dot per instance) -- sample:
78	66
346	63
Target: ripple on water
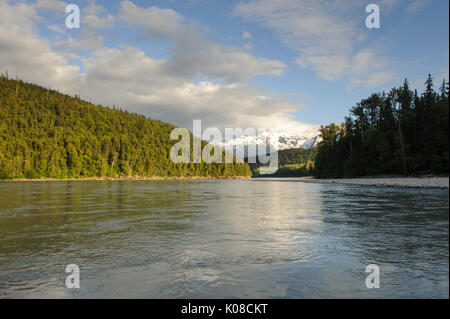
246	239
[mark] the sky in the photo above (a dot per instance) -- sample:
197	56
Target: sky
292	65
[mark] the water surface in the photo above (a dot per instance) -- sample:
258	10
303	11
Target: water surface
221	239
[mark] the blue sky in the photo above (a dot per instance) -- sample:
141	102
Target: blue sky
290	63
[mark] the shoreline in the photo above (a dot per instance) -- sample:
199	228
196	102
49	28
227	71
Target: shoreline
411	182
125	178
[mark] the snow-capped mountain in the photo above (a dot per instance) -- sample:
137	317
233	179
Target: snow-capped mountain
311	143
279	141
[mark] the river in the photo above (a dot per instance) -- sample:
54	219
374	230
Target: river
222	239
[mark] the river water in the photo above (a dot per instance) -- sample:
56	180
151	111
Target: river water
221	239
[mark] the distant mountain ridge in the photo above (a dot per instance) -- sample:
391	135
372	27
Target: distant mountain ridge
279	141
311	143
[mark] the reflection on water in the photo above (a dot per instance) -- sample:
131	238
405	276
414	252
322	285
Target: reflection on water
217	239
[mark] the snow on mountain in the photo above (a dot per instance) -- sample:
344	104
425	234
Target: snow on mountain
311	143
279	141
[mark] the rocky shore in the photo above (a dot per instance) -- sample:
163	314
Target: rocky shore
419	182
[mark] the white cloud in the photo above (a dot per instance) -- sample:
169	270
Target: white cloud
369	69
167	90
91	16
220	62
145	86
88	40
417	5
246	35
159	23
89	37
50	5
56	28
193	54
324	33
27	55
387	5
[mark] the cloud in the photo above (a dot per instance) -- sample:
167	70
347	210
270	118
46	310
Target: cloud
368	69
387	5
88	40
156	22
25	54
246	35
325	34
145	86
56	28
168	90
50	5
193	54
91	16
219	62
416	6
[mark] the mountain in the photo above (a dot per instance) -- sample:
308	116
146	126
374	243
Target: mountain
46	134
279	141
311	143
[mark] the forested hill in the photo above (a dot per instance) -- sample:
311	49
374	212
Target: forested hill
293	162
44	133
395	132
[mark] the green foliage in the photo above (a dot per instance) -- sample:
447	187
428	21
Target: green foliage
47	134
394	133
294	162
296	170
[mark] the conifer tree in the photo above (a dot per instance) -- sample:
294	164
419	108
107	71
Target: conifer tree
389	133
55	135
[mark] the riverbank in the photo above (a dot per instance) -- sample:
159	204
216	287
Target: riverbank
417	182
124	178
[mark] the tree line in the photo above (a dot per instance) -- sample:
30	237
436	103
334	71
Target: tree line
44	133
294	162
395	132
